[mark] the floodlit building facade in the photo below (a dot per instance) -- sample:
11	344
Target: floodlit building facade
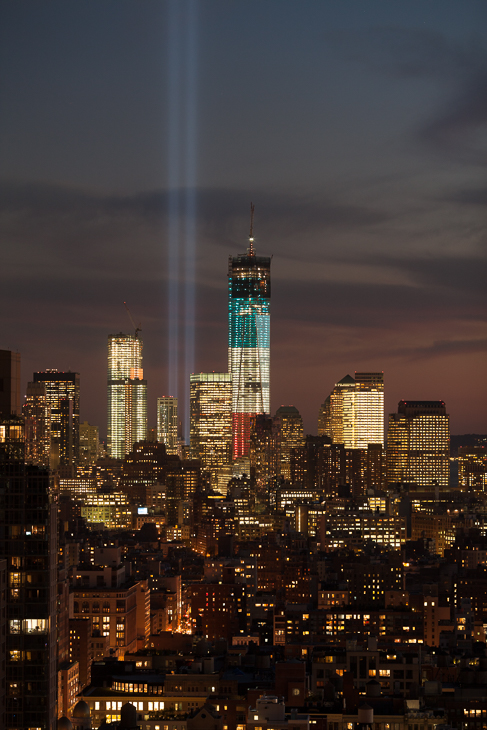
418	444
127	394
353	414
248	342
62	395
211	425
369	409
167	423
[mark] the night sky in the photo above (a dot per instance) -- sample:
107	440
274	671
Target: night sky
358	129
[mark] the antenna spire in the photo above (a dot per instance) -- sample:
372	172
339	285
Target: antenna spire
251	235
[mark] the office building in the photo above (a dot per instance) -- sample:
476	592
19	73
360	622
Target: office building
292	436
127	394
249	342
62	395
167	423
89	443
353	414
472	468
9	383
418	444
28	542
211	425
264	449
37	414
369	409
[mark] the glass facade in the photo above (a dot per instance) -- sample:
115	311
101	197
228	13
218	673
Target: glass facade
248	343
127	394
167	423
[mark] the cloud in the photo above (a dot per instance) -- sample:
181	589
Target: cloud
418	53
406	52
49	229
460	127
441	348
470	196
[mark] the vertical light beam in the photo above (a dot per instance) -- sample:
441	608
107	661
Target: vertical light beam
182	154
190	202
174	174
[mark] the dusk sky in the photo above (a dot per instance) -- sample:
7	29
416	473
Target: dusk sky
358	130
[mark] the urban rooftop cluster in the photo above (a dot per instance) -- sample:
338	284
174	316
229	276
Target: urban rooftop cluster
256	578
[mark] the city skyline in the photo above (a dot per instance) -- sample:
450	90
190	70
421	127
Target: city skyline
357	132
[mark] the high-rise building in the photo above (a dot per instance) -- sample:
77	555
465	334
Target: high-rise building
369	409
9	383
248	342
62	395
211	425
167	423
292	436
37	414
28	542
418	444
353	414
264	449
89	443
472	468
127	394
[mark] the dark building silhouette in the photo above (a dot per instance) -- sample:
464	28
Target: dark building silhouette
9	383
28	544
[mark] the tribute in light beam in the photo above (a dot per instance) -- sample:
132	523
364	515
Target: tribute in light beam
182	48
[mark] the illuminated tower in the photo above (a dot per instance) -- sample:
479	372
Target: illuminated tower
418	444
369	409
211	425
62	395
127	394
353	414
167	423
249	278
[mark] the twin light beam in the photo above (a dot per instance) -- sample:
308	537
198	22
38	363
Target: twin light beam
182	152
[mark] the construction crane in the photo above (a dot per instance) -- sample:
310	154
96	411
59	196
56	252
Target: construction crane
136	327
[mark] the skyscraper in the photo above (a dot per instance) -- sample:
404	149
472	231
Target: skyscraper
353	414
369	409
28	542
418	444
248	341
211	425
292	436
89	443
167	423
37	414
62	396
127	394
